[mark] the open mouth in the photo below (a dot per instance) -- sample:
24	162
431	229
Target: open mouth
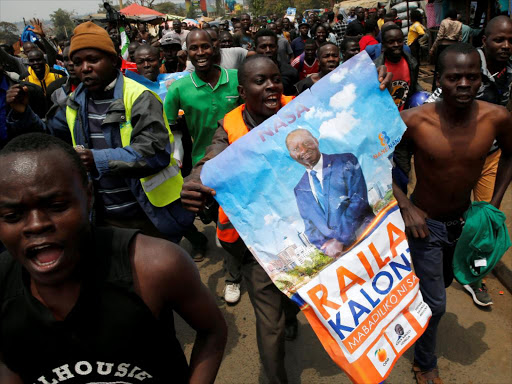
272	102
88	81
45	256
202	61
464	98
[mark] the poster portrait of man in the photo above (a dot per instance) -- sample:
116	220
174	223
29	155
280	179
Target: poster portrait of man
331	195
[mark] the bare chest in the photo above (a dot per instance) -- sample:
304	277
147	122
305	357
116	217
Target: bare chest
454	146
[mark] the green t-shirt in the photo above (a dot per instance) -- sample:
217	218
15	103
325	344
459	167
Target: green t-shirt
203	106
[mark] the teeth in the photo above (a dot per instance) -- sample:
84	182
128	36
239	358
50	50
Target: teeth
38	248
44	264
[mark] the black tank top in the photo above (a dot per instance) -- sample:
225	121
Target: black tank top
110	335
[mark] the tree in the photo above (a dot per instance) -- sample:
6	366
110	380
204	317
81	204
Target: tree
62	23
302	5
8	33
219	5
170	8
278	7
145	3
257	7
192	11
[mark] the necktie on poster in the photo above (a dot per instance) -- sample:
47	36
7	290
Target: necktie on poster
348	266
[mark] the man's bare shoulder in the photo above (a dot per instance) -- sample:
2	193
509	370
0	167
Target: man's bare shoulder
160	270
156	256
496	113
417	116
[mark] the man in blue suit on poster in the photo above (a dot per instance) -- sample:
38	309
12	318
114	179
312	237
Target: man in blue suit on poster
331	196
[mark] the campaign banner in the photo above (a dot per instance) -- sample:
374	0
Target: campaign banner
290	13
311	197
162	83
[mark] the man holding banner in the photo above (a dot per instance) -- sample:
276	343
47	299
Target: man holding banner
272	308
449	140
261	88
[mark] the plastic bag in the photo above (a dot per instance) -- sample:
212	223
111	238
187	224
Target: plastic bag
401	7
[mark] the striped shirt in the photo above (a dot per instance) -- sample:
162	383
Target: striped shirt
113	193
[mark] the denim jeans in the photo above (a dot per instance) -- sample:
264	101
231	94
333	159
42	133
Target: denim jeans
432	258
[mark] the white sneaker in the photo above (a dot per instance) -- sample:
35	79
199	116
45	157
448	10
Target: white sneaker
232	293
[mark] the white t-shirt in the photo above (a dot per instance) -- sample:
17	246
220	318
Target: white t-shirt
230	58
182	36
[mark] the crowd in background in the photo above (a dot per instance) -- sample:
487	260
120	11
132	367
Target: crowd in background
136	148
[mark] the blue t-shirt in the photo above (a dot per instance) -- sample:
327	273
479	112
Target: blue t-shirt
298	46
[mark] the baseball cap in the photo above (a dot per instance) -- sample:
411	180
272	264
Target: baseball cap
168	39
301	24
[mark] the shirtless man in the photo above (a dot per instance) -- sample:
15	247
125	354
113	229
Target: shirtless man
495	88
87	304
449	140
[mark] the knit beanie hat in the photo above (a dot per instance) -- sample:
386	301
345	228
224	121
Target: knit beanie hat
90	35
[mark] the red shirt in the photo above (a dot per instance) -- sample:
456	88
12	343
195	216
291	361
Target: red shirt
304	69
401	81
128	65
367	40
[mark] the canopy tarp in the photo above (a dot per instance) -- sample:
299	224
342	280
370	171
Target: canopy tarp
98	16
172	17
139	10
357	3
102	18
191	22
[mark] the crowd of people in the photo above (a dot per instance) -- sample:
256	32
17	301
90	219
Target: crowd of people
101	180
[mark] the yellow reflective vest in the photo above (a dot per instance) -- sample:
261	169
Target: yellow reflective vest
163	187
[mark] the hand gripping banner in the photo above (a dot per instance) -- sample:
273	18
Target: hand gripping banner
309	191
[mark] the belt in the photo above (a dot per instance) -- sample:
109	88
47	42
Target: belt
460	221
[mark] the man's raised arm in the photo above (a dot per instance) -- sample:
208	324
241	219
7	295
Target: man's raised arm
167	277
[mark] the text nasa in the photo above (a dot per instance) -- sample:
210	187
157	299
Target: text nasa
281	120
360	266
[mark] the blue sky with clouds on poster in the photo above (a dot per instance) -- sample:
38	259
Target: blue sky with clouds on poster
255	179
